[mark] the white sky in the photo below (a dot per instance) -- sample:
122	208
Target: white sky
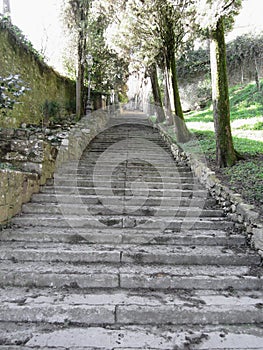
40	22
250	18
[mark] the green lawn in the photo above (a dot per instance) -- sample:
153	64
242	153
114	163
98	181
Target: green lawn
246	177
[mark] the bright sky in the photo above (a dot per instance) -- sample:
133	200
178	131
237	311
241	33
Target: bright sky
250	18
40	22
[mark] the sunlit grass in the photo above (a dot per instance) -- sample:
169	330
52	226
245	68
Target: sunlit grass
204	116
245	102
246	146
246	176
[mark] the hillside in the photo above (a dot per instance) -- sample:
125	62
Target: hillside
246	177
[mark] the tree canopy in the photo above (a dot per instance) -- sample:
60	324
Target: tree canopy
153	35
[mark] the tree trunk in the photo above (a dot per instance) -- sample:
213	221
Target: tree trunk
242	73
79	82
167	99
82	16
183	134
225	152
257	74
80	102
157	94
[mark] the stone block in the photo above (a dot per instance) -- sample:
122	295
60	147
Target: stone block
4	212
247	212
257	238
2	197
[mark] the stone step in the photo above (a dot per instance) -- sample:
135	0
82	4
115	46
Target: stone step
89	221
87	181
127	185
138	192
122	165
121	253
206	337
143	146
125	308
129	236
136	277
139	148
98	277
112	210
92	200
131	175
145	175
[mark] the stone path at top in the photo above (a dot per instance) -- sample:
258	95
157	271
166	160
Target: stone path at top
125	250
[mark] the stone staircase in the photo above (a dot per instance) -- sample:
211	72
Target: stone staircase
125	250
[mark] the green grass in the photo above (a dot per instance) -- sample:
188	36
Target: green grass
207	142
245	103
256	126
204	116
245	177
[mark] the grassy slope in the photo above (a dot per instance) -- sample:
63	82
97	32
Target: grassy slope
246	177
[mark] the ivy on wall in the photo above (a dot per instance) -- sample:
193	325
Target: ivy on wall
18	57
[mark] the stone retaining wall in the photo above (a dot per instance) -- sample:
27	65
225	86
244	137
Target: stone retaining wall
81	135
242	214
17	187
46	85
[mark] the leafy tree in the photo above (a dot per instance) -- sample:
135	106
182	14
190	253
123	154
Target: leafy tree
211	18
76	16
109	71
246	51
128	36
173	34
151	31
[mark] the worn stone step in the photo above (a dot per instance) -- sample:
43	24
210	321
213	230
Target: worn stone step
131	337
92	279
160	280
111	209
140	146
126	308
154	277
183	190
121	180
119	156
132	145
121	177
119	162
132	176
121	165
187	255
175	255
127	236
93	200
138	192
89	221
150	174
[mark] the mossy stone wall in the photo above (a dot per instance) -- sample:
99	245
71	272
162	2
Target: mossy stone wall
43	81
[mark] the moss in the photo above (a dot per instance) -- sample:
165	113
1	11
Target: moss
43	81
